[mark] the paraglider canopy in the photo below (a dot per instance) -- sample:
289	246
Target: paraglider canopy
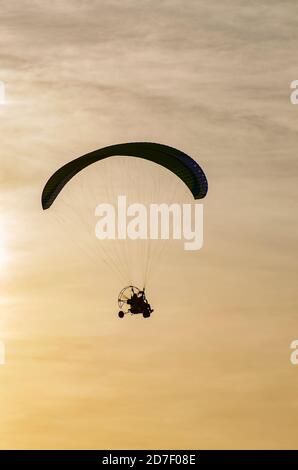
174	160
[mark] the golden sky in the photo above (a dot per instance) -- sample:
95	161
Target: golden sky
211	368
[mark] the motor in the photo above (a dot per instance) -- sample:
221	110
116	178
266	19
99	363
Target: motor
133	300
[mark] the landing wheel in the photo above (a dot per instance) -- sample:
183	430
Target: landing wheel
146	314
121	314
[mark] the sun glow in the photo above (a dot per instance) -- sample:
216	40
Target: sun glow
2	93
3	249
4	99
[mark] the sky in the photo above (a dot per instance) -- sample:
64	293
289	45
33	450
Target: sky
211	368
